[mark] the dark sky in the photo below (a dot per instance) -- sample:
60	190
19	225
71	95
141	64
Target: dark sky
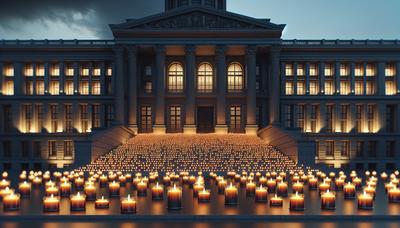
305	19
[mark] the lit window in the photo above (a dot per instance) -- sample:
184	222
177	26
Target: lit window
9	88
40	87
235	77
69	71
289	88
84	90
205	77
146	123
148	70
314	90
175	78
329	70
96	71
300	70
148	87
371	70
8	70
390	88
40	70
96	88
54	88
359	88
85	71
235	118
344	88
370	88
390	70
29	88
109	71
175	120
329	90
344	70
55	70
289	69
69	88
359	70
28	70
301	88
313	70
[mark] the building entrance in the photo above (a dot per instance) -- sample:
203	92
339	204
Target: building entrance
205	119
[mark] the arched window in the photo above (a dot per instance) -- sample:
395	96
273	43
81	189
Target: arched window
175	78
235	77
205	77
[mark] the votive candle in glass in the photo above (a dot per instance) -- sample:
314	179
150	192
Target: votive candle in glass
90	191
102	203
141	188
349	191
298	187
261	194
221	186
394	195
128	205
296	202
25	189
157	192
197	188
51	204
78	202
204	196
231	195
313	183
328	200
174	196
250	188
282	189
365	201
271	185
114	189
11	202
65	189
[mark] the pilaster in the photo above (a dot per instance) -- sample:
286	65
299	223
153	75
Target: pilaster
221	126
274	105
159	127
119	85
190	106
251	59
132	91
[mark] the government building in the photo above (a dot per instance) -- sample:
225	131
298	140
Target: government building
197	68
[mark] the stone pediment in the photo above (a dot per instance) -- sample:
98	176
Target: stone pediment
198	18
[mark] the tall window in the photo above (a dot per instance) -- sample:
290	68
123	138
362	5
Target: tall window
391	118
300	116
9	88
96	116
371	117
39	87
371	70
28	118
390	70
370	88
235	77
29	88
301	88
344	70
84	87
28	70
329	148
84	118
390	149
329	90
359	70
313	70
205	76
54	117
235	118
96	88
329	70
8	70
288	115
343	118
390	88
55	70
359	149
110	116
358	126
344	88
68	118
175	118
175	78
329	118
68	148
40	70
69	70
314	118
345	150
40	116
359	88
54	88
289	69
146	124
52	149
7	120
289	88
314	90
69	88
300	69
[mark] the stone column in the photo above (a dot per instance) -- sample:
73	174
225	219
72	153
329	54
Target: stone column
322	78
380	79
119	85
132	59
221	126
274	94
251	62
159	127
190	101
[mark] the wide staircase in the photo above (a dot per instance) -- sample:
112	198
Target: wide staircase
192	153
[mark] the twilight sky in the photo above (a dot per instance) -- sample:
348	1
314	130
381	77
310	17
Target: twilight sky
305	19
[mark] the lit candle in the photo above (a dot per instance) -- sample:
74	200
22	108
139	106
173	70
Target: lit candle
128	205
261	194
313	183
328	201
271	184
79	183
339	182
282	189
174	196
11	202
141	188
192	181
102	203
384	176
370	190
114	189
4	184
65	189
167	181
90	191
78	202
365	201
394	195
357	182
250	188
221	186
103	180
323	187
25	189
349	191
51	204
197	188
122	180
5	192
296	202
37	181
157	192
243	181
52	190
204	196
297	187
231	195
262	181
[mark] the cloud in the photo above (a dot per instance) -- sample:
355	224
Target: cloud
67	19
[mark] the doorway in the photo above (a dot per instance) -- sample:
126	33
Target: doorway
205	119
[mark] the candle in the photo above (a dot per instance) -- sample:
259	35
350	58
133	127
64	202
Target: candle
11	202
174	196
103	180
191	181
52	190
298	187
365	201
282	189
102	203
141	188
339	182
271	185
78	202
114	189
197	188
122	180
5	192
231	195
221	186
328	201
370	190
313	183
394	195
357	182
25	189
157	192
349	191
323	187
250	188
243	181
65	189
261	194
37	181
79	183
167	181
204	196
384	176
51	204
4	184
128	205
263	181
90	191
296	202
